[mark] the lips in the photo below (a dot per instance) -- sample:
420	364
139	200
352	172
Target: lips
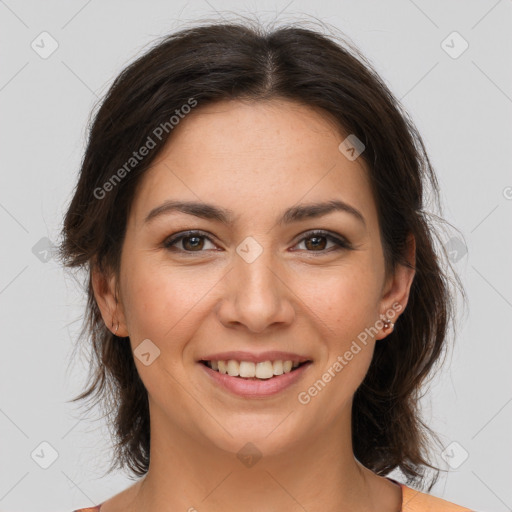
288	369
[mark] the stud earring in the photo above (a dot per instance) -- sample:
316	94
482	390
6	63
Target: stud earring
117	327
388	324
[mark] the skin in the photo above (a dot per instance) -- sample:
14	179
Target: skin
256	158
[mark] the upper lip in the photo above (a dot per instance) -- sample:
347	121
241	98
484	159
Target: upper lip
240	355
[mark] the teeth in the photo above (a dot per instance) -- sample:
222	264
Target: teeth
278	368
264	370
233	368
248	369
222	367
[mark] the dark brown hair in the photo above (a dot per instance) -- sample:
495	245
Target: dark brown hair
222	61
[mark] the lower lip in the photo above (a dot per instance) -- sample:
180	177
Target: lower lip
256	388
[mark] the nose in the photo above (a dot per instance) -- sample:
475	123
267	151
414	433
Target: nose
258	295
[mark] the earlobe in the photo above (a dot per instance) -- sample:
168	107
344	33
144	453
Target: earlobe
396	296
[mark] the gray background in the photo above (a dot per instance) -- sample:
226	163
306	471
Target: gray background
462	107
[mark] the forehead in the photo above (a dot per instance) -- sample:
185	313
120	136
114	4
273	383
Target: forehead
252	157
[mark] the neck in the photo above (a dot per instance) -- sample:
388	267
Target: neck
318	473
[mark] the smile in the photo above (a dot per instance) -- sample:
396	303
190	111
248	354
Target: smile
240	378
250	370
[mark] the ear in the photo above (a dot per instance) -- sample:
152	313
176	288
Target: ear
397	288
111	308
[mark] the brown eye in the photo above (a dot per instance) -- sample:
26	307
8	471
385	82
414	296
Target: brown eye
317	241
192	241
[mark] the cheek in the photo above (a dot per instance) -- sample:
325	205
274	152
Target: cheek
345	299
345	319
345	307
162	303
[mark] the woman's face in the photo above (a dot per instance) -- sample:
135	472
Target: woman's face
259	282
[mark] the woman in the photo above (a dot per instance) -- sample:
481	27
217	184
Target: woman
264	299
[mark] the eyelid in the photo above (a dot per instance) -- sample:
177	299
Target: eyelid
340	241
169	242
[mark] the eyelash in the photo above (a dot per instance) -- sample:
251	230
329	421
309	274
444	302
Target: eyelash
339	242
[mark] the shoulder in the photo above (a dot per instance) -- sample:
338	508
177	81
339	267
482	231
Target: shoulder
416	501
412	501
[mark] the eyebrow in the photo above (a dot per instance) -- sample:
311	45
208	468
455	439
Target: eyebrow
227	217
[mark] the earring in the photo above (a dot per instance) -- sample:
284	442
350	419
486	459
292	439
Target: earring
388	324
117	327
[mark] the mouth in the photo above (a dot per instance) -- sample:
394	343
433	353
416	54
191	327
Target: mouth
255	380
248	370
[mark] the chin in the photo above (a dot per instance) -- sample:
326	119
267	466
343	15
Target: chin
254	433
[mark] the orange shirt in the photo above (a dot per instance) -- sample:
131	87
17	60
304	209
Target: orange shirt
412	501
415	501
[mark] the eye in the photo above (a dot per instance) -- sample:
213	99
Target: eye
193	241
317	236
